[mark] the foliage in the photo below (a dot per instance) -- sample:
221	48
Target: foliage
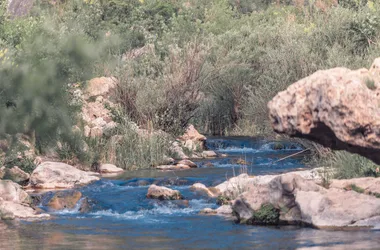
213	63
266	215
347	166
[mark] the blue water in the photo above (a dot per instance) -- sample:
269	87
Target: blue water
121	217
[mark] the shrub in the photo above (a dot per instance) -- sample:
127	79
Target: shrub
348	165
266	215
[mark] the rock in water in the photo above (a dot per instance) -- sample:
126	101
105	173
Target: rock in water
15	202
51	175
163	193
337	108
64	200
201	188
10	191
289	198
110	169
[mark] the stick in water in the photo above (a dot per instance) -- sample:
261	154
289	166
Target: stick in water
286	157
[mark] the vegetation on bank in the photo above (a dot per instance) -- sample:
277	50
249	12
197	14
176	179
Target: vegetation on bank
214	63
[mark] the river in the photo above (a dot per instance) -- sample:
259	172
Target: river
121	217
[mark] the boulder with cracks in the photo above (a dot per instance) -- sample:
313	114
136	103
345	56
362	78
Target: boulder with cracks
338	108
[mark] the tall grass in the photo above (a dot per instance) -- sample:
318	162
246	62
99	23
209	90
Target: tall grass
346	165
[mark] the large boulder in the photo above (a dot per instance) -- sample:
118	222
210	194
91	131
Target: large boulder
51	175
338	108
10	191
291	199
10	210
163	193
16	174
15	202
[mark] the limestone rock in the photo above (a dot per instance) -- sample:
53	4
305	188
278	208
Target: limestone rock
51	175
337	208
101	86
110	169
294	199
209	154
15	202
201	188
163	193
178	151
10	210
192	134
208	211
368	184
16	174
173	167
10	191
64	200
338	108
192	139
187	163
224	210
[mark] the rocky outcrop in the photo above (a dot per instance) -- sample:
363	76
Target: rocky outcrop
15	202
95	100
109	169
192	139
52	175
291	199
163	193
338	108
16	174
17	8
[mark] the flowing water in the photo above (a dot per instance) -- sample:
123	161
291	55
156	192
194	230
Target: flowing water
122	218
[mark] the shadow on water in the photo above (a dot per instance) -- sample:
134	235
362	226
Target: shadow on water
122	218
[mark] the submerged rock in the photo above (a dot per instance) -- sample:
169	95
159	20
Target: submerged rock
163	193
338	108
51	175
208	211
173	167
64	200
171	181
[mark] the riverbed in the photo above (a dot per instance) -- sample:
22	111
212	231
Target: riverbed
121	217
